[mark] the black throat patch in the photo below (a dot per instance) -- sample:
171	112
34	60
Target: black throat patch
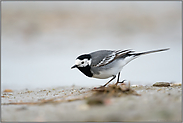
86	70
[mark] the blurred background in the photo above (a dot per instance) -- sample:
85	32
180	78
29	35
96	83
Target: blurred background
41	40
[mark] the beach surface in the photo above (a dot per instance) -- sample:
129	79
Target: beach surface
75	103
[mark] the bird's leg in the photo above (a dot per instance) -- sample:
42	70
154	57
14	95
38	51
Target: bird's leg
118	79
114	76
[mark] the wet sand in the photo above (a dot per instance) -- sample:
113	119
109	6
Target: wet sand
71	104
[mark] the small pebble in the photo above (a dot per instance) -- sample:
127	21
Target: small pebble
134	85
175	84
161	84
7	90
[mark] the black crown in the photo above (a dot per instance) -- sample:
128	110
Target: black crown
85	56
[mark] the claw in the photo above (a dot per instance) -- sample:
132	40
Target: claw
120	82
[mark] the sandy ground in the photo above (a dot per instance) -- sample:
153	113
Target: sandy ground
72	104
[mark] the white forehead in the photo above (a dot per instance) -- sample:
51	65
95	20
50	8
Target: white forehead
77	62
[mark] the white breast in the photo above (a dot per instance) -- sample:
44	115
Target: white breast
107	73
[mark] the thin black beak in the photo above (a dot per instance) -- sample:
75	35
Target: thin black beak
73	66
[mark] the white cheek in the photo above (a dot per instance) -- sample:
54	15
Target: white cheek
85	63
89	62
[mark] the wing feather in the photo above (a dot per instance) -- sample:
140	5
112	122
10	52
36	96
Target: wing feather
114	55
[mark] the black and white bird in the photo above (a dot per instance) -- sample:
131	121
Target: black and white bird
103	64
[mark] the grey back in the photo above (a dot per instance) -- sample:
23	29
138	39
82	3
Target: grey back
98	56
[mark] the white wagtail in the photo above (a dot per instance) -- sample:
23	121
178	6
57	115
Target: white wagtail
103	64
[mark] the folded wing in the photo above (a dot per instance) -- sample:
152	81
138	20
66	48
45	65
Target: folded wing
114	55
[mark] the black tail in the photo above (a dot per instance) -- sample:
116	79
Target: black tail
147	52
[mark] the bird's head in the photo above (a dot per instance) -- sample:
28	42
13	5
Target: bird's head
82	61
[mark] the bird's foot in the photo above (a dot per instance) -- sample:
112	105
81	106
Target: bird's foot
120	82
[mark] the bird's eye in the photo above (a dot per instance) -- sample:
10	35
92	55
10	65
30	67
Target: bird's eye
82	62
